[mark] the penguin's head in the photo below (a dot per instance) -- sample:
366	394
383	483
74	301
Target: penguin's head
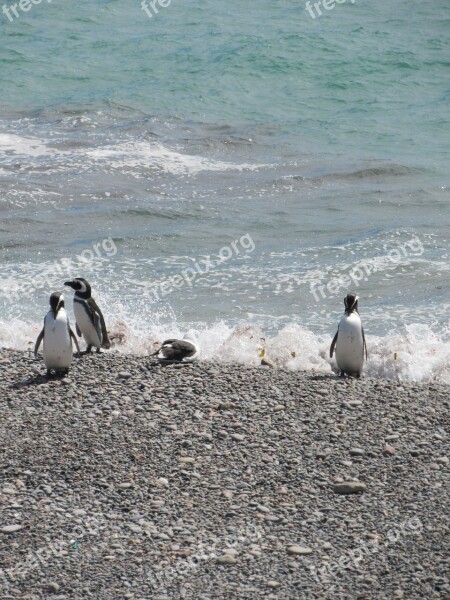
351	303
56	302
191	337
81	287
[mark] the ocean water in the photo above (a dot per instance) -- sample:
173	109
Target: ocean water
232	168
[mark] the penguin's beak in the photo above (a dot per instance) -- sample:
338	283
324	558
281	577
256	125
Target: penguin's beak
59	306
355	303
69	283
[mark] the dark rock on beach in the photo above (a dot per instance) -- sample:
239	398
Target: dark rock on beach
128	479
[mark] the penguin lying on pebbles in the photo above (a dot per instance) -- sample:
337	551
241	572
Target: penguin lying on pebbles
185	350
349	341
57	336
89	318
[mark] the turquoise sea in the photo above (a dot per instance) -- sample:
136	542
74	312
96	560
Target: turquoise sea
233	168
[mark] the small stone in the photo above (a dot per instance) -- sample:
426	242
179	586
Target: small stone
227	559
273	584
124	375
266	362
357	452
231	551
226	405
389	450
125	486
349	487
186	459
299	550
346	405
238	437
53	587
10	528
443	460
322	454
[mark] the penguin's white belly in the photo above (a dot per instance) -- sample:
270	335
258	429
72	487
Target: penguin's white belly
350	345
86	327
57	348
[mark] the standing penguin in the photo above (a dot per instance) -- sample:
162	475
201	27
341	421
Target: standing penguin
349	341
57	336
89	318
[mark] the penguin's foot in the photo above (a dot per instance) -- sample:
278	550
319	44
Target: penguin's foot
98	350
49	373
88	350
61	373
341	374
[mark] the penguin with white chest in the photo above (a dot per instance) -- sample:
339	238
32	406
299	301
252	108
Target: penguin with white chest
174	350
349	341
57	336
89	318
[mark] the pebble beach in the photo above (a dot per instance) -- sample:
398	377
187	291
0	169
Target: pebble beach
133	480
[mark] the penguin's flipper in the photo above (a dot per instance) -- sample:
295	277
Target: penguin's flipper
333	344
364	342
38	341
72	335
78	330
106	344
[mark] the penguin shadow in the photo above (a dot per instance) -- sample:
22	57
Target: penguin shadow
324	377
175	364
35	380
38	378
334	376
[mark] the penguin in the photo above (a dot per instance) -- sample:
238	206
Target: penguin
89	318
185	350
349	341
57	336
